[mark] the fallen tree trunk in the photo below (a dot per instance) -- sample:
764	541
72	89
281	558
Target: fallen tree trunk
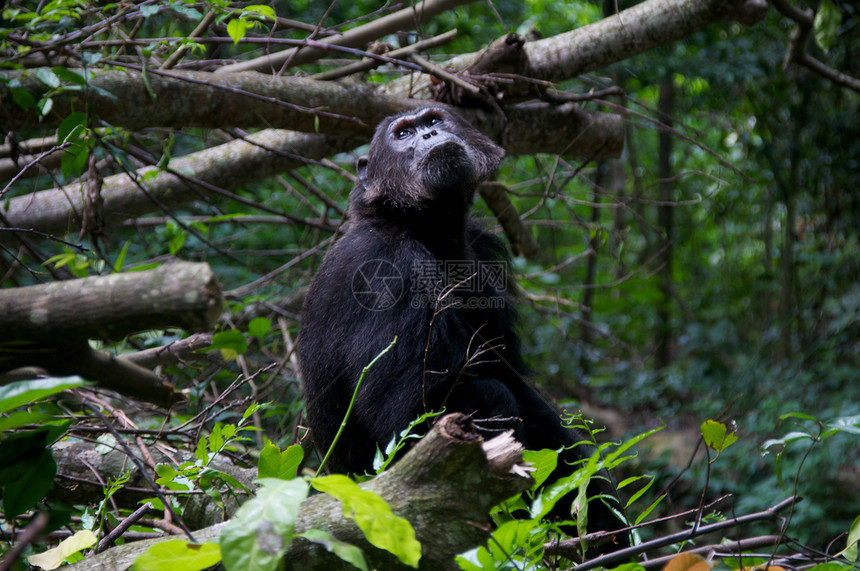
181	294
48	326
445	486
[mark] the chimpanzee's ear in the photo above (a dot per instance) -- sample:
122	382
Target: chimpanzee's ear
361	169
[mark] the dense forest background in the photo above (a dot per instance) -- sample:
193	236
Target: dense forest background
706	270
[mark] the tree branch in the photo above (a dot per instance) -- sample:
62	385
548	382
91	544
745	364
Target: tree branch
405	19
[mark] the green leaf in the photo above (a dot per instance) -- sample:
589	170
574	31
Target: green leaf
53	558
374	517
35	479
20	393
258	535
826	24
178	555
230	343
854	532
120	259
48	77
847	424
69	75
544	462
23	98
649	509
45	105
261	9
22	418
236	29
800	415
258	327
71	128
717	436
74	159
346	551
274	463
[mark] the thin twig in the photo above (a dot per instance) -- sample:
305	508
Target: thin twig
124	525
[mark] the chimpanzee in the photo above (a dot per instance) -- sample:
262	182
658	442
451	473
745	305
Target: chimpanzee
413	265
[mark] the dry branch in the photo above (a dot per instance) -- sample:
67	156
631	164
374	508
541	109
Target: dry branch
519	237
445	486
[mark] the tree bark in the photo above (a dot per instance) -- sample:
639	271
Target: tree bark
445	486
633	31
185	295
228	167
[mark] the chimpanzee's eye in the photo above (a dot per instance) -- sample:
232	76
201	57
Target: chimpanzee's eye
434	121
403	133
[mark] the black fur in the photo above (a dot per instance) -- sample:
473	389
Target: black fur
457	344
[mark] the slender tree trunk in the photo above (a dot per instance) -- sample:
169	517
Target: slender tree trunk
789	296
600	180
787	302
665	107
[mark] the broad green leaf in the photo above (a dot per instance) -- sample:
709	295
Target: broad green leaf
70	76
74	159
346	551
274	463
23	98
236	29
374	517
717	436
230	343
543	462
72	127
53	558
34	481
48	77
258	535
178	555
261	9
258	327
149	10
512	535
21	418
20	393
